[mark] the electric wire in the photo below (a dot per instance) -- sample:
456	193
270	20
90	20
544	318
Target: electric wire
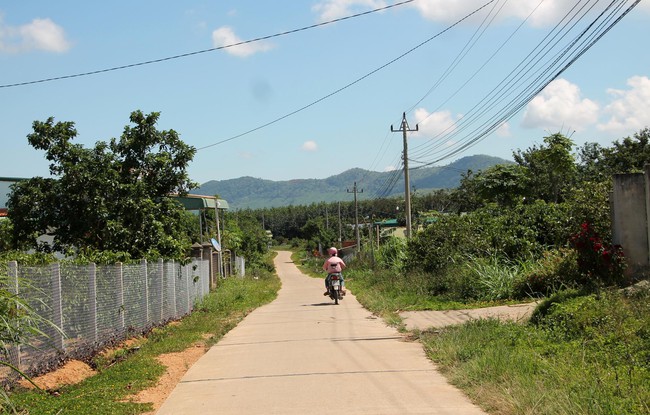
469	45
500	91
356	81
561	62
586	40
478	70
199	52
525	96
498	96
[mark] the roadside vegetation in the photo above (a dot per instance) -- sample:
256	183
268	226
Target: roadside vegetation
536	230
129	369
115	203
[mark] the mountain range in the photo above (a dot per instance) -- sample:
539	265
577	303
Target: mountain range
256	193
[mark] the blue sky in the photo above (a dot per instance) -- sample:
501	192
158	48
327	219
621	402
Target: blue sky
211	97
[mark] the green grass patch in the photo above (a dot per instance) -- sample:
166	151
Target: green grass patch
131	371
585	355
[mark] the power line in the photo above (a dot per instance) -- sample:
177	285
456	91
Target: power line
367	75
185	55
542	76
504	88
478	33
539	67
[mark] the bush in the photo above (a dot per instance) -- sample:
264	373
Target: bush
554	271
544	308
448	240
599	263
392	254
520	233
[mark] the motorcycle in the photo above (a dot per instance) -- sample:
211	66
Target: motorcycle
334	287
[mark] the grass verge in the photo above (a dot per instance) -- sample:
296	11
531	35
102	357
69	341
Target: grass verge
108	392
587	355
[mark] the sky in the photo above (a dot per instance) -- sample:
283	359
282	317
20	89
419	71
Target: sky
314	102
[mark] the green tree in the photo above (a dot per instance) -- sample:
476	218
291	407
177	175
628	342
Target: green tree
315	231
551	168
114	197
625	156
504	184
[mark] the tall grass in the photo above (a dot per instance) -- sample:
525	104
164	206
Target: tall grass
494	278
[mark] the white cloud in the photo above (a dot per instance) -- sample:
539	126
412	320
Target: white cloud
225	36
309	146
434	124
630	110
389	168
504	130
560	106
448	11
334	9
40	34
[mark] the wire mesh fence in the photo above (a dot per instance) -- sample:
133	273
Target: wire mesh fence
93	306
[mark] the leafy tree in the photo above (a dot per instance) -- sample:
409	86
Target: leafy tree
504	184
6	230
466	197
115	196
550	168
315	232
625	156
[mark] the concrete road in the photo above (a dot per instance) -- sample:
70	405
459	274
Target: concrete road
302	354
437	319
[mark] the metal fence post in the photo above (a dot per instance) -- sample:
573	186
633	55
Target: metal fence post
92	299
57	306
187	285
143	274
120	297
14	356
172	277
161	285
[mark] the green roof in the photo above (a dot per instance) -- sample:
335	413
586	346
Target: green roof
198	202
389	223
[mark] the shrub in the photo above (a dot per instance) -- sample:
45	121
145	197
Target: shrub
391	254
554	271
599	263
544	308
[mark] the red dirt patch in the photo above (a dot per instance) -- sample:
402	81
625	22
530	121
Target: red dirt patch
72	372
177	364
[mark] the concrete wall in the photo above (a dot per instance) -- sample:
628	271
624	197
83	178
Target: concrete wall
630	217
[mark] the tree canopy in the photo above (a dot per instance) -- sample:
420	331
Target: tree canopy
113	197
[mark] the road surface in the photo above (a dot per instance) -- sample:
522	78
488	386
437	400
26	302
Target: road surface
301	354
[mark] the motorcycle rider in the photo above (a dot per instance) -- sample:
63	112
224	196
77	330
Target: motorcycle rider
333	265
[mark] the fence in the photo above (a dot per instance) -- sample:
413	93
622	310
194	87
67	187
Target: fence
98	305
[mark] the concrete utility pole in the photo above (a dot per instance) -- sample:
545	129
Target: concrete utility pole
356	213
340	227
404	128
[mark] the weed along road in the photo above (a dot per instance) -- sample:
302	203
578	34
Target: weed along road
302	354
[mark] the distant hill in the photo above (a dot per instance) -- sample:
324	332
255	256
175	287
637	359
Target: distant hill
250	192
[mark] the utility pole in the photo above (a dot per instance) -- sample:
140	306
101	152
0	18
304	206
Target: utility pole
404	128
340	227
356	214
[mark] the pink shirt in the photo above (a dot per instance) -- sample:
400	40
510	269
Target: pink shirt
333	264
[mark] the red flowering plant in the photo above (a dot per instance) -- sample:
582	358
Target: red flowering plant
599	263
